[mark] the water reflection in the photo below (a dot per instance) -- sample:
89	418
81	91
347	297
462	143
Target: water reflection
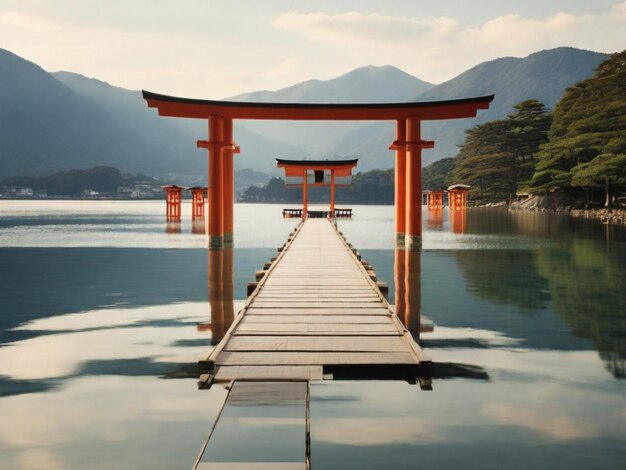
587	286
198	226
583	283
173	227
536	300
407	274
547	225
434	220
458	221
221	293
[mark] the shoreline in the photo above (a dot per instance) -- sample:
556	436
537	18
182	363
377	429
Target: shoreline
561	204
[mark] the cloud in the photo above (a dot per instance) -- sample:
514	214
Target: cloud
20	21
153	52
514	30
356	28
436	48
375	431
550	424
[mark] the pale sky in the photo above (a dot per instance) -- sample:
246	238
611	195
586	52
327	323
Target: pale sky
215	49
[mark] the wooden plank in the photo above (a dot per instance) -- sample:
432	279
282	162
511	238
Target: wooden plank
318	282
267	393
317	304
251	466
315	328
315	319
314	358
316	343
228	373
317	289
254	310
317	294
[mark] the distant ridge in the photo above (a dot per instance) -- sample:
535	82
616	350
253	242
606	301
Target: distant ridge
369	84
543	75
51	122
61	121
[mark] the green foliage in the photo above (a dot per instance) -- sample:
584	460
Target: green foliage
602	169
435	176
498	155
587	137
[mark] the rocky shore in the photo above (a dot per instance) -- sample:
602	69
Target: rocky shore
563	203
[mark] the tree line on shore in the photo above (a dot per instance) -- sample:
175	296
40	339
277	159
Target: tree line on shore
370	187
579	149
102	179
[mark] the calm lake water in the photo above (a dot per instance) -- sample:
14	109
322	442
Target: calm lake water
99	335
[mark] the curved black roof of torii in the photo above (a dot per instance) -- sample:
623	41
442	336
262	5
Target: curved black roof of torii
352	162
175	106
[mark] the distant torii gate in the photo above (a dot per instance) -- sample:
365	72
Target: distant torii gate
408	146
301	169
457	197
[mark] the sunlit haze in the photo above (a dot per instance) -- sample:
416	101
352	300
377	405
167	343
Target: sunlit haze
216	49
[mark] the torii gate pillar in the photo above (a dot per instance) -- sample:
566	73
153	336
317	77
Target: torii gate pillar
305	195
228	181
332	194
400	180
413	189
221	189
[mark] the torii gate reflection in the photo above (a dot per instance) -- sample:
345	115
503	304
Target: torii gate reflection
221	293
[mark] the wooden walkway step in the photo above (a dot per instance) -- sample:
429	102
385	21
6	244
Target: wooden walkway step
316	307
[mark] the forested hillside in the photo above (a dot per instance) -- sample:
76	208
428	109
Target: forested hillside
582	145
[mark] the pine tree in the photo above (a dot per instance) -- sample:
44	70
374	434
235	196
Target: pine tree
499	155
587	139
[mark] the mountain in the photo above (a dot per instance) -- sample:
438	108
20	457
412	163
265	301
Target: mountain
52	122
46	126
370	84
257	152
543	76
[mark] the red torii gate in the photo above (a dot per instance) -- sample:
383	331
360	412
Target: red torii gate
173	201
299	168
408	146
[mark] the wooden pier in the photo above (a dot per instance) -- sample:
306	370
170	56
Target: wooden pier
316	311
313	214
